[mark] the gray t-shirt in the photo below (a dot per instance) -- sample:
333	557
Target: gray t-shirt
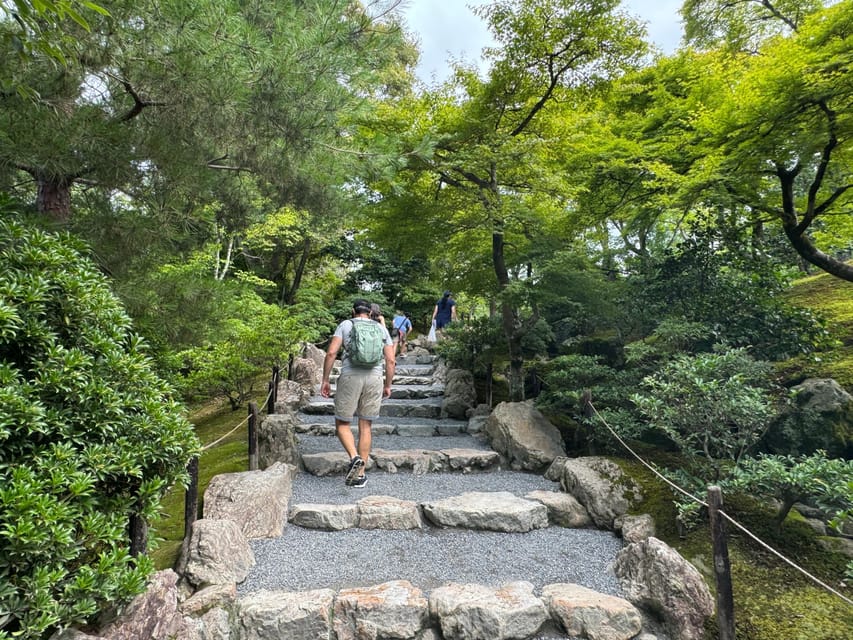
343	332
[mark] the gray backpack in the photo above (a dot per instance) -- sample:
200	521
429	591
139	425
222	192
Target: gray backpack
365	344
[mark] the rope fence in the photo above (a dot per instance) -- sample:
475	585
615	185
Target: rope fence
722	513
252	419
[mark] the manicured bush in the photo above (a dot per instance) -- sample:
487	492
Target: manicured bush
89	435
713	406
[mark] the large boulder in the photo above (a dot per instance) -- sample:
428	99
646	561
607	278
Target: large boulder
585	613
276	615
598	484
153	614
460	395
304	372
655	577
477	612
395	609
277	440
520	432
291	396
494	511
256	500
217	554
317	356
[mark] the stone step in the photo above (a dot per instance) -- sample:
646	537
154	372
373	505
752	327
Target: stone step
415	360
398	608
327	463
420	370
324	425
398	380
421	408
413	392
483	511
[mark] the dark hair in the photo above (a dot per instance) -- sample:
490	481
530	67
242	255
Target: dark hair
447	294
360	305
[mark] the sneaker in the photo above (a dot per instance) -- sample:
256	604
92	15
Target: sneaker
359	482
355	467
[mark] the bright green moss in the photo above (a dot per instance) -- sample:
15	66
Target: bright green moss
833	298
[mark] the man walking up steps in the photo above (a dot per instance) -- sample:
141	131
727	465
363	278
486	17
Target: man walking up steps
360	386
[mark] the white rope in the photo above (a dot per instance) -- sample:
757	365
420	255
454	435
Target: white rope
242	422
721	512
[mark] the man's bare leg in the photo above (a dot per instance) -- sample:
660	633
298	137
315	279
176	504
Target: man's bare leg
344	433
365	438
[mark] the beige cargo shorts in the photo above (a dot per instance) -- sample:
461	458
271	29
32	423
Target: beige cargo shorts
358	395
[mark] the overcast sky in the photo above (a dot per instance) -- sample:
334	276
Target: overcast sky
448	28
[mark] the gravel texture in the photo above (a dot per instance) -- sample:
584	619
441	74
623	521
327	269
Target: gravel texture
303	559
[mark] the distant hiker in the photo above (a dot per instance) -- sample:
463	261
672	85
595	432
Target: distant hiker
444	312
360	388
376	314
401	325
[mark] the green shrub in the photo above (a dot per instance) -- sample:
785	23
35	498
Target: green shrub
89	435
789	480
713	406
262	336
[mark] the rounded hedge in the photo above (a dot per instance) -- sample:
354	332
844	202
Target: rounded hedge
89	435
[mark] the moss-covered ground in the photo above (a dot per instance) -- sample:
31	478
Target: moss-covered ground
833	298
773	601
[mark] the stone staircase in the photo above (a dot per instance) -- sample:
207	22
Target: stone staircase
444	542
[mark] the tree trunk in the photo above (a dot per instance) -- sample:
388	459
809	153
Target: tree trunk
511	323
805	248
54	197
290	296
795	230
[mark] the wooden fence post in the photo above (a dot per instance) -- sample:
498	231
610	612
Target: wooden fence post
253	436
191	498
138	535
273	389
722	568
587	412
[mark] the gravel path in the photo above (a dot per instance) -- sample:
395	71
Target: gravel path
304	559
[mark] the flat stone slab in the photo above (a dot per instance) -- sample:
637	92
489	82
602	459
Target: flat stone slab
419	461
387	512
324	425
329	517
416	392
492	511
421	408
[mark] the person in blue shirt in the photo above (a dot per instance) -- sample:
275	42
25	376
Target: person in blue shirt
401	325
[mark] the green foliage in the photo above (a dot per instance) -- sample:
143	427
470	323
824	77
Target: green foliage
715	280
88	436
473	344
262	336
566	378
714	407
41	26
791	479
